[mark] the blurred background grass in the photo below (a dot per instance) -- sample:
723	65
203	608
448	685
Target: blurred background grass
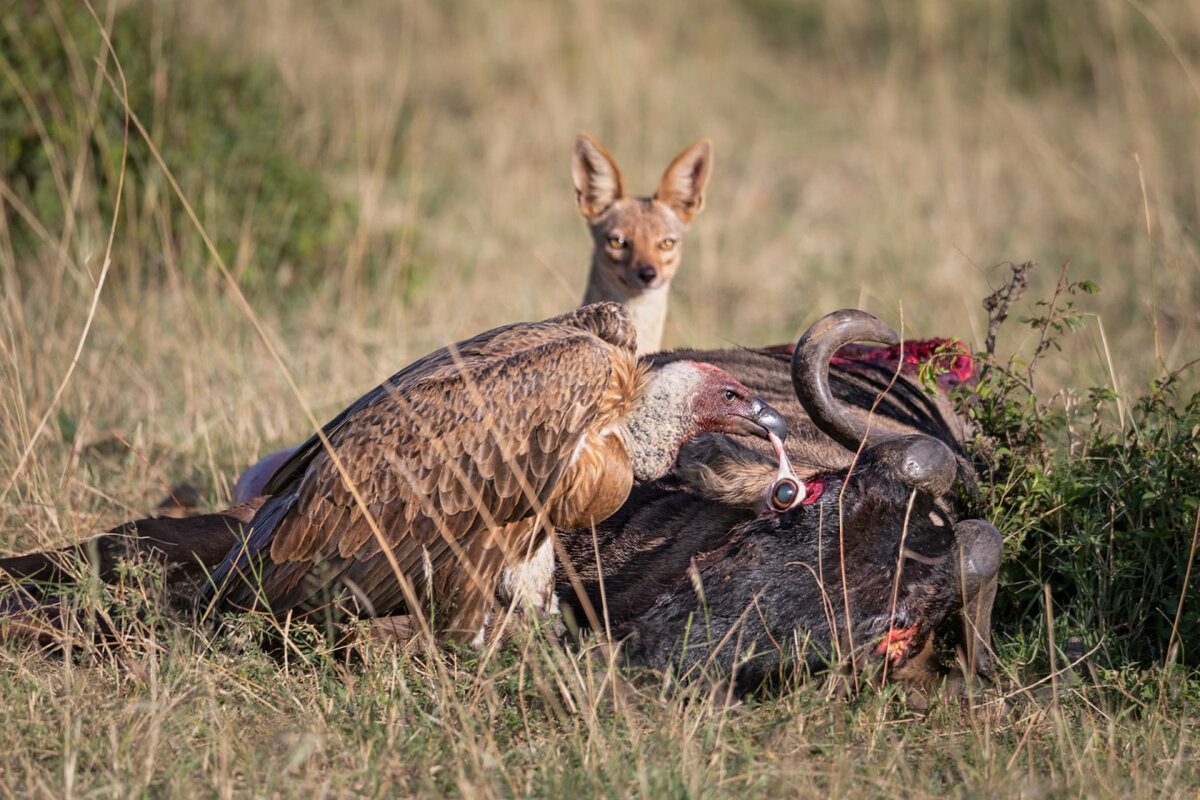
405	165
384	177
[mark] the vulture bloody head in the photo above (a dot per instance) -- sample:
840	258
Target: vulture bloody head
723	405
684	399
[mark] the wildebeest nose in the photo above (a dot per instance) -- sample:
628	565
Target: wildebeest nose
647	274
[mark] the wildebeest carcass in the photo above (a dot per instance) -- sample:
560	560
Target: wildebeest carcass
707	569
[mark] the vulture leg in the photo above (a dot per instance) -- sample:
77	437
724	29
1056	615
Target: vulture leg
530	584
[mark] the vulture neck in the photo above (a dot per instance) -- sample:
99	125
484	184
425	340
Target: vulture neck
659	425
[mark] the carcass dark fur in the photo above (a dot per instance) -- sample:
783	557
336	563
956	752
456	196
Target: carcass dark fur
756	596
697	570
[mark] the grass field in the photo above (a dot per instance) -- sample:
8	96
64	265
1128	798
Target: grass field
379	178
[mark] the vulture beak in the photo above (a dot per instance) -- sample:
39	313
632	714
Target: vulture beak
762	421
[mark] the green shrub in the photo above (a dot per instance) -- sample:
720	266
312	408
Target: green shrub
221	125
1097	502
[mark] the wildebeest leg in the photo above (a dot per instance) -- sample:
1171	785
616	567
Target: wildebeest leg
980	550
186	547
55	623
33	607
24	618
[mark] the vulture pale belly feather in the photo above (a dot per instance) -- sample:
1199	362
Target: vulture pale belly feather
445	453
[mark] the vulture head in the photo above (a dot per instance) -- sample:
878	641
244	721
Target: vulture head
684	399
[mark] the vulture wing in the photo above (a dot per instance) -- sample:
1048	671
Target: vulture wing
453	456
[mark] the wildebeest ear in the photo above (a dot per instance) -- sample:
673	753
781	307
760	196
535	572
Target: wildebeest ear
719	468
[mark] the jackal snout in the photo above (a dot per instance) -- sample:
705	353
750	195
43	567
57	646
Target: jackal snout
637	241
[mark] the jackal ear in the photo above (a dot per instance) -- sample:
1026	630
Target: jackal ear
597	179
682	185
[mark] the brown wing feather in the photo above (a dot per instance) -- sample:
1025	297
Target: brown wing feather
440	454
609	321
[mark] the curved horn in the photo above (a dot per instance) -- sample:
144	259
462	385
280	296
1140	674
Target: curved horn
981	549
919	462
810	373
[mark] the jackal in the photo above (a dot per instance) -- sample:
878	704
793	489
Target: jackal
638	241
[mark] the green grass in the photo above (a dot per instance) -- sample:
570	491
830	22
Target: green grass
385	177
206	115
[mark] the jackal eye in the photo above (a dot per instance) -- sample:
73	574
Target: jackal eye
667	245
616	242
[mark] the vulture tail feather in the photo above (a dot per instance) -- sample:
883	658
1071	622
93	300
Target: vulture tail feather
245	554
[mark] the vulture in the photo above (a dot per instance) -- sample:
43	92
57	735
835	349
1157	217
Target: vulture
440	486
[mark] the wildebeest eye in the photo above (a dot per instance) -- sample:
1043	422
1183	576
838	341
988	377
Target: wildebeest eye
784	494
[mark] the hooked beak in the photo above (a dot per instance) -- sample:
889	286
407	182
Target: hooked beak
762	421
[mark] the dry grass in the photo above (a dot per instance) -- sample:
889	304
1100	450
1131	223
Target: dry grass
847	173
844	176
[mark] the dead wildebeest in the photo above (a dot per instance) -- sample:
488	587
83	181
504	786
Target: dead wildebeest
860	566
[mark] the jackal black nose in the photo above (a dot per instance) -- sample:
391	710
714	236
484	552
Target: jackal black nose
647	274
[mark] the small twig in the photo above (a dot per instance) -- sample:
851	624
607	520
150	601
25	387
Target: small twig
1048	322
999	302
1050	639
1172	641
